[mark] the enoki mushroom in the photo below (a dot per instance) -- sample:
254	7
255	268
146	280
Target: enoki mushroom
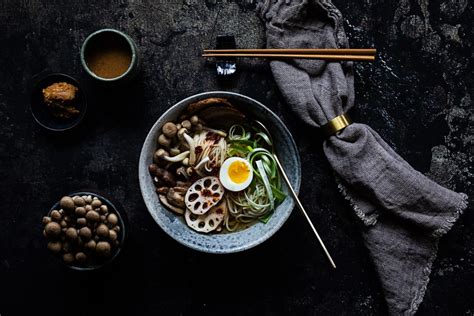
211	145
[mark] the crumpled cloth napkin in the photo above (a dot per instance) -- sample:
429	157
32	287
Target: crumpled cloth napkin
404	212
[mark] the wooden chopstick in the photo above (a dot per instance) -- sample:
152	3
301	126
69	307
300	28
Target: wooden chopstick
323	51
304	56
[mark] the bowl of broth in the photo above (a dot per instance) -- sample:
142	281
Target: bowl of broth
109	55
188	230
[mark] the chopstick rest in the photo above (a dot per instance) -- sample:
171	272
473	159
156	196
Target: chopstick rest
336	124
226	67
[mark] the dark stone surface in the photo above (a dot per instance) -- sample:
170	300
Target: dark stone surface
418	96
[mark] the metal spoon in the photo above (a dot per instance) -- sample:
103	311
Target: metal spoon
295	197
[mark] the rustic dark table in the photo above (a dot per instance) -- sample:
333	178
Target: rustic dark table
417	95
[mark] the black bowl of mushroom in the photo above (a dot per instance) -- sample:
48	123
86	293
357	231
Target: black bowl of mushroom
84	230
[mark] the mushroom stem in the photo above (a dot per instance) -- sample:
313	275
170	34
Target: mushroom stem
175	151
201	164
182	171
207	168
192	153
218	132
177	158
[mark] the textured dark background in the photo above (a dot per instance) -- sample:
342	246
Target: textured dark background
417	95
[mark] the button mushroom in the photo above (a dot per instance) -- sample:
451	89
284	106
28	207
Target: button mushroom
96	204
68	258
71	233
181	132
169	129
79	201
81	257
85	233
90	245
194	119
103	249
56	215
164	141
159	154
186	124
103	209
52	229
55	246
113	235
112	219
46	220
102	231
80	211
81	221
93	216
66	203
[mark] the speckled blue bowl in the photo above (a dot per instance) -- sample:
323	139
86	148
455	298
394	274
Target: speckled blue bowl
231	242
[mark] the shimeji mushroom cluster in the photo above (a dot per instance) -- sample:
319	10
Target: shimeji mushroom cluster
82	231
192	148
184	152
177	144
187	151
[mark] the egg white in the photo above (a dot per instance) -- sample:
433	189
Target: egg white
227	181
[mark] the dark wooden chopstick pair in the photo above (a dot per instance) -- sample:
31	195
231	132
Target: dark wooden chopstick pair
333	54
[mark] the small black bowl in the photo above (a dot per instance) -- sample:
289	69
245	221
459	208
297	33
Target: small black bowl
42	114
114	207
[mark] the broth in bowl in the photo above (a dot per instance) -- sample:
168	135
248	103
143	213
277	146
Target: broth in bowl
108	55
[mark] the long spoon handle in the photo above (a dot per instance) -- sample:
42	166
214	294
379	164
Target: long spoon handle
300	206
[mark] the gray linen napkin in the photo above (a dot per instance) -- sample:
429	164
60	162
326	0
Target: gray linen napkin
404	212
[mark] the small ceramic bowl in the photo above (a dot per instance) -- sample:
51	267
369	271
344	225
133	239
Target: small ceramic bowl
43	115
114	207
245	239
99	37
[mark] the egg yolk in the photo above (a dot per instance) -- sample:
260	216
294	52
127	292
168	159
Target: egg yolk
238	172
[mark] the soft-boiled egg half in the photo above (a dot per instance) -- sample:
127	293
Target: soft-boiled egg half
236	174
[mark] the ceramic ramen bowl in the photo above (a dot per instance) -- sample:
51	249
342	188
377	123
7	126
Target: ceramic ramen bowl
176	227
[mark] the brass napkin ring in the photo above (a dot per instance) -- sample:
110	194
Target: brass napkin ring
336	124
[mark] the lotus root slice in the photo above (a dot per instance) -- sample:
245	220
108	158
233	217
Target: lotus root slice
207	222
204	194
